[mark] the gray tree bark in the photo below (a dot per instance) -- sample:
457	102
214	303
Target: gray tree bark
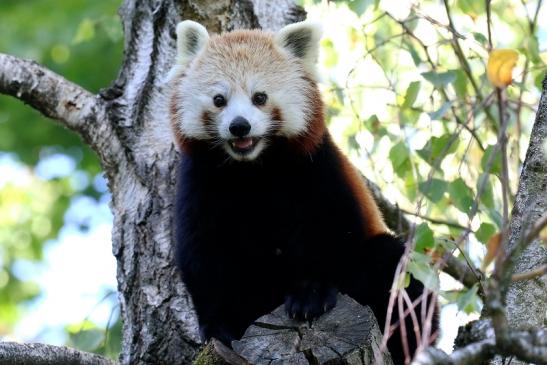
127	126
526	305
159	323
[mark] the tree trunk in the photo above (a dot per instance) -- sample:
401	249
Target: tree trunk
127	125
159	324
527	299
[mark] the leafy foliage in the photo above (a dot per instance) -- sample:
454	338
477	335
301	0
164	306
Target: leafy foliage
82	41
414	100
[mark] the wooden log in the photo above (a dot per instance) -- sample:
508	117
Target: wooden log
348	335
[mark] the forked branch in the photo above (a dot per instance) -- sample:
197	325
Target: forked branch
59	99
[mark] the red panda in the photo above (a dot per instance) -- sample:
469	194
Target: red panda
268	210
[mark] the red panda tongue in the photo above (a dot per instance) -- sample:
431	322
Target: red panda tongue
243	143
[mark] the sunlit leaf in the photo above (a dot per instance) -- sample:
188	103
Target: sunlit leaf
500	66
424	237
461	195
433	189
491	164
460	84
411	94
479	37
467	301
420	267
439	79
438	146
485	231
487	196
493	247
439	114
359	6
472	8
399	156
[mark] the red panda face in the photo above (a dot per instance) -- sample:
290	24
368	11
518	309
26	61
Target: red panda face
240	90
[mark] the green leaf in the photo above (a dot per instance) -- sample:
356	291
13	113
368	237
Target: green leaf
467	302
485	231
330	54
495	165
487	196
438	114
435	146
461	195
414	54
460	84
411	94
87	340
473	8
424	237
420	267
479	37
439	79
399	156
85	32
531	49
359	6
433	189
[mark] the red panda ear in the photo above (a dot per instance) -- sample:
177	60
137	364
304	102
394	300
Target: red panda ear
302	41
191	39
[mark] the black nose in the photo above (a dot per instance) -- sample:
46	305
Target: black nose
240	127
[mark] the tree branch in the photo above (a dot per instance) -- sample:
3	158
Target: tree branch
529	346
13	353
59	99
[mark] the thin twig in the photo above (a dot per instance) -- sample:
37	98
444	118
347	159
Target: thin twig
532	274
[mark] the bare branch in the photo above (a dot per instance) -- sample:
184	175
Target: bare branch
59	99
529	346
13	353
540	271
471	354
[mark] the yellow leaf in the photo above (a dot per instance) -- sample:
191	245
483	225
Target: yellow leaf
492	249
500	66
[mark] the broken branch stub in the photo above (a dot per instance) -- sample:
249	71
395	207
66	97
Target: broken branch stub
348	334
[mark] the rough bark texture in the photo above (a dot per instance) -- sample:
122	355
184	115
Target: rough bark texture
12	353
348	334
127	126
159	324
527	300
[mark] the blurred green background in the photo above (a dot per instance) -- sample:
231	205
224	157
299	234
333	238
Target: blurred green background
408	99
53	212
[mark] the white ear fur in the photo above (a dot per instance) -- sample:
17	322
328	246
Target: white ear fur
302	41
191	38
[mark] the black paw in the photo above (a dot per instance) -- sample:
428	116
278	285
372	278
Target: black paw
309	299
224	335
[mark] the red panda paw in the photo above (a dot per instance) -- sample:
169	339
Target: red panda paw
310	299
221	333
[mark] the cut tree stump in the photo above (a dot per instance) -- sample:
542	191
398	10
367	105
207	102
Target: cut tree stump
348	335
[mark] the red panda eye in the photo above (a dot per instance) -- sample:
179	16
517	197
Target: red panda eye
219	101
259	98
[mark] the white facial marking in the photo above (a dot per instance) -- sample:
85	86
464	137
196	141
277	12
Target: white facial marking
240	105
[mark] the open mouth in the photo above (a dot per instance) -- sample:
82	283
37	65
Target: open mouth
244	145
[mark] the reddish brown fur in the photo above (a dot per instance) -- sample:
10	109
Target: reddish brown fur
316	122
373	222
